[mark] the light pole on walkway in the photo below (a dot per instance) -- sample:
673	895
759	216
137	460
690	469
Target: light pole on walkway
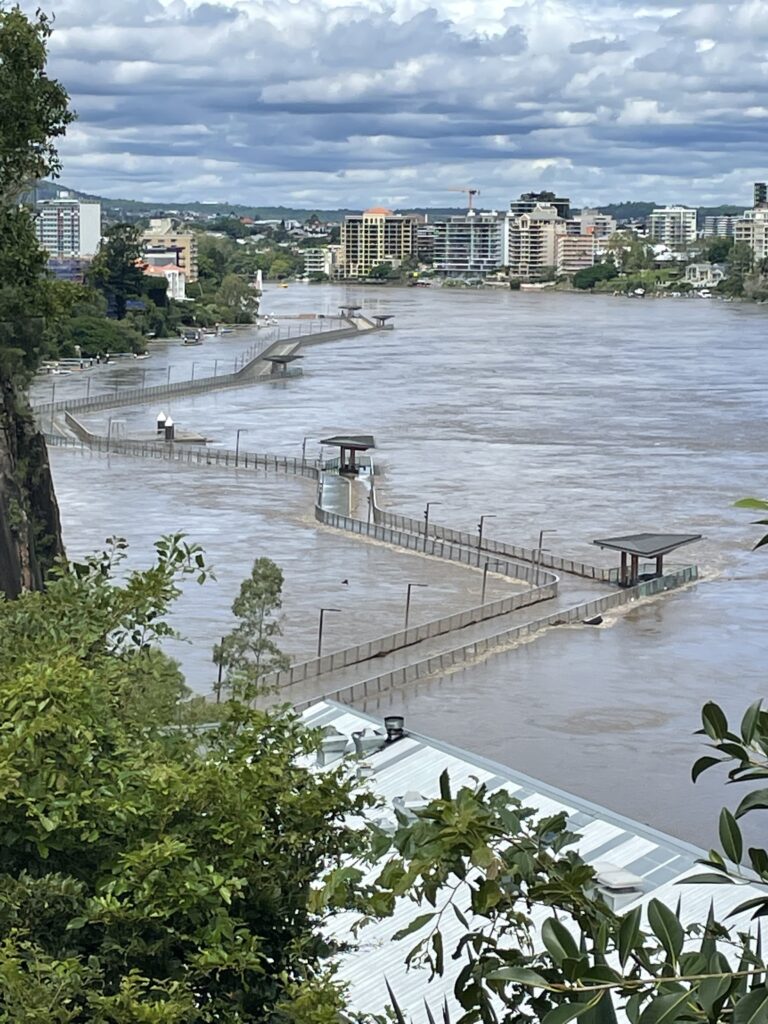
408	600
215	367
304	449
480	534
426	519
240	430
485	578
539	548
320	628
168	379
193	371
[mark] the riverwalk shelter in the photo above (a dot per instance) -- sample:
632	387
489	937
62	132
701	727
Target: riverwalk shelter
633	862
350	446
646	546
281	364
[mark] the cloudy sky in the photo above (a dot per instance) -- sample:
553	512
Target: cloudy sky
355	102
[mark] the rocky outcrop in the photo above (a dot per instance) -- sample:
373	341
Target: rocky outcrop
30	529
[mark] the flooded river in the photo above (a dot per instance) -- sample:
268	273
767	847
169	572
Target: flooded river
585	415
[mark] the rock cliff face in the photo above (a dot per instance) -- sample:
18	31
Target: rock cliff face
30	529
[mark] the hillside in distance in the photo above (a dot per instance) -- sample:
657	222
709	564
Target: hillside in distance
133	209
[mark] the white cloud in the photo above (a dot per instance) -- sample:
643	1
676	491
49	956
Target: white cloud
348	102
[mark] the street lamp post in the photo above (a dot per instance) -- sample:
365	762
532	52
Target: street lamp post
320	629
215	367
426	519
193	371
168	380
540	549
88	388
408	600
485	579
241	430
304	449
480	535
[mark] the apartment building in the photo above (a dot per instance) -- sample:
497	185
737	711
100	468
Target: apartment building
469	245
752	229
593	222
574	253
161	235
67	228
673	225
531	242
376	236
322	260
528	202
719	227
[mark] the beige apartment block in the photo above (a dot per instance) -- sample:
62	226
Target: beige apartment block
373	237
161	234
753	229
574	253
531	244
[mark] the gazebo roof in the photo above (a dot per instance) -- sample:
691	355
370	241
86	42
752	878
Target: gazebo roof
360	442
648	545
387	316
289	358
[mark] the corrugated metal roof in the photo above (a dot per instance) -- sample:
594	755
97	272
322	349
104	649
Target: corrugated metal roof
648	545
415	763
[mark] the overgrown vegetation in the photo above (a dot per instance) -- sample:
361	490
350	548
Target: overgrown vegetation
149	872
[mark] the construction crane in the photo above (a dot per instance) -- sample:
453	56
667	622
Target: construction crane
471	193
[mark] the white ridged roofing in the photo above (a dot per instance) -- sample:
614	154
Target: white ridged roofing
415	763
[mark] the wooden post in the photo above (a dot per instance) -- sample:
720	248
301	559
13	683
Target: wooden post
623	574
660	565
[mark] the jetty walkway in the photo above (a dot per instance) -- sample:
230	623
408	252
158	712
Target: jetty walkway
569	591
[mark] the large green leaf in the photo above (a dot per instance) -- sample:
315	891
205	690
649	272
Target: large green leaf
666	927
754	503
666	1009
703	764
416	923
753	1008
518	976
730	836
750	720
558	940
629	933
566	1012
714	721
758	800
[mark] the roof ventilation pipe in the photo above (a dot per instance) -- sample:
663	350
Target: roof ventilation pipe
395	726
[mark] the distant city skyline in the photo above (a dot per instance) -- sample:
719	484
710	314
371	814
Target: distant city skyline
329	104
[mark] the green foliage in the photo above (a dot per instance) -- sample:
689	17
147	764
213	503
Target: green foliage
96	335
148	872
35	107
757	505
589	276
487	858
116	269
716	250
236	300
250	651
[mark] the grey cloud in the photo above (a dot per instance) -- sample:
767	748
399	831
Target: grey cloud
599	46
258	101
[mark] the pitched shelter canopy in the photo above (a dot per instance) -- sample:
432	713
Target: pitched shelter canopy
355	442
648	545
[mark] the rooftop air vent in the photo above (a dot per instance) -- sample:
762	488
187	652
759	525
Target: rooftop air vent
332	746
616	885
368	740
394	724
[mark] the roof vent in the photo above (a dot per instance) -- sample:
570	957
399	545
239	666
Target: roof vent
616	885
332	746
394	724
410	804
368	740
